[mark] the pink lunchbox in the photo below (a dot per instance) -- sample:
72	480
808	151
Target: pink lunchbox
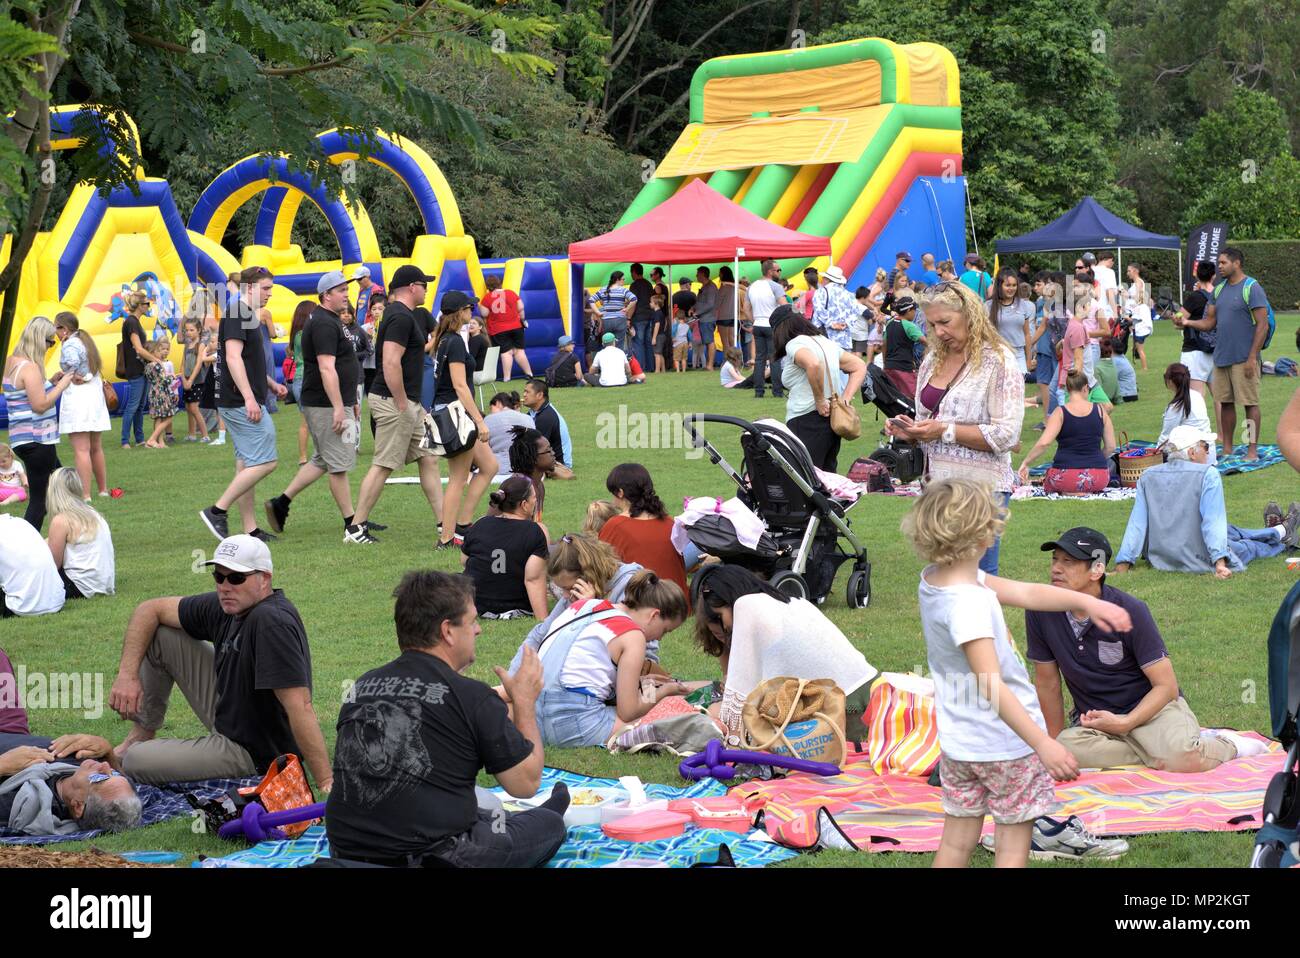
719	811
647	826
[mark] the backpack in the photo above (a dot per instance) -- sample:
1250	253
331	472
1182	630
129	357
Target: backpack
1245	295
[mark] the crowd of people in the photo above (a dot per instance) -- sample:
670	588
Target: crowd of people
414	734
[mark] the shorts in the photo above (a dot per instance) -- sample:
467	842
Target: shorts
1199	364
573	719
254	442
1233	387
193	395
679	352
397	434
335	452
1045	369
1076	481
1140	339
510	339
1014	791
706	331
18	492
860	345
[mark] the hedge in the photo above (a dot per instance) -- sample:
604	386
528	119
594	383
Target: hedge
1275	263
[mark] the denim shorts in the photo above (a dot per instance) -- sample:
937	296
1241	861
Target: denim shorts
254	442
706	331
574	719
1045	371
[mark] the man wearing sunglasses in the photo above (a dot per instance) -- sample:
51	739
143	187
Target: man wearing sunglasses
68	784
241	658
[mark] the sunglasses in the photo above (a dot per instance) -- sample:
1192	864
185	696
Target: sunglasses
234	578
98	777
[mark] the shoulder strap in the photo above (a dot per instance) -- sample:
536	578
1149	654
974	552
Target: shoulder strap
1219	289
1245	289
603	613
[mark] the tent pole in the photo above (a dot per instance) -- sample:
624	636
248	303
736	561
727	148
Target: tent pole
1119	265
1181	288
735	307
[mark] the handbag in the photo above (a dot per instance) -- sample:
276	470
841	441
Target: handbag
449	431
845	421
903	730
804	718
283	787
120	371
110	395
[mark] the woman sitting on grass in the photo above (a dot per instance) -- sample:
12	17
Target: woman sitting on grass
592	662
758	633
1085	441
79	539
505	554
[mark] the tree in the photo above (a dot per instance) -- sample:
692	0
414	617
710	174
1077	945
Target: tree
1038	102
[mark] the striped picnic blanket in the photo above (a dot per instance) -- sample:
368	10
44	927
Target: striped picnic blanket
862	810
159	804
1229	464
585	847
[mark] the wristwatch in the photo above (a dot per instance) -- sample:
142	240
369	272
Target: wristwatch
950	432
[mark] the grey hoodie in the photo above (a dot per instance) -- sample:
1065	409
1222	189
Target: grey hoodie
617	586
32	808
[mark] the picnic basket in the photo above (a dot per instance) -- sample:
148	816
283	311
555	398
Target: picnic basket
1135	460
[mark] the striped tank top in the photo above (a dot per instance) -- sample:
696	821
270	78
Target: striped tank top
26	426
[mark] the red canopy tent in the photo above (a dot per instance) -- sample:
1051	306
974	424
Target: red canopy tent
698	224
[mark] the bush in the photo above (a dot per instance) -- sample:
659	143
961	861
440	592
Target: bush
1272	262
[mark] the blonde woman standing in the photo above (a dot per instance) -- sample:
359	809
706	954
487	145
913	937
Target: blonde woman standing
79	540
970	398
33	412
83	414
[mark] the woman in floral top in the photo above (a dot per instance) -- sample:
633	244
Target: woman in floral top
970	398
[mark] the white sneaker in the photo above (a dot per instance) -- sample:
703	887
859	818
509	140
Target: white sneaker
1246	747
1068	840
218	442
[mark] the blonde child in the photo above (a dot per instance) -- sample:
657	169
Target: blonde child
191	372
13	478
996	754
681	332
162	392
599	512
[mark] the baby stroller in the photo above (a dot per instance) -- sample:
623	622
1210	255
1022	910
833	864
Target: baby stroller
904	460
1277	843
801	552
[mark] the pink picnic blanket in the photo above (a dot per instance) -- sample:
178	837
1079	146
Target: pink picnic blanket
882	813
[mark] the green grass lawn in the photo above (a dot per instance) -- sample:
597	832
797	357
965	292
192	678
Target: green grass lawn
1215	630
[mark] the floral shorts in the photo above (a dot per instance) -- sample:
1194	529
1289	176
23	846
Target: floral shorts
1076	481
1017	790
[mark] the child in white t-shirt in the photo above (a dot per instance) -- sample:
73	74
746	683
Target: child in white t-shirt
731	375
997	756
13	478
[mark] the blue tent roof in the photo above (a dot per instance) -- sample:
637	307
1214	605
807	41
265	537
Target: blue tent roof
1088	226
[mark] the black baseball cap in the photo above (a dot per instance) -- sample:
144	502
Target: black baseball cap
782	314
1080	543
453	301
409	276
903	254
904	303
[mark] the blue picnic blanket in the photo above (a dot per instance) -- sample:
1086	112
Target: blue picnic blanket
585	847
1228	464
160	803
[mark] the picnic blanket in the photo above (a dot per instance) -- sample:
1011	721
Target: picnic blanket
1115	494
867	812
585	847
1228	464
159	804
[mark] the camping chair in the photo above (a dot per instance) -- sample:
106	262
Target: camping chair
488	374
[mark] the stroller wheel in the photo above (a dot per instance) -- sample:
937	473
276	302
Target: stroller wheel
858	594
888	458
790	583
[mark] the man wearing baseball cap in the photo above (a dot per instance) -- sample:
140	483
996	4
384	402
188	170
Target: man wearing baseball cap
610	366
902	263
331	374
241	659
367	288
1127	706
1188	530
395	401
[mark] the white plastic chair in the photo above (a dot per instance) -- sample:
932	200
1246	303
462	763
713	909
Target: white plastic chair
488	374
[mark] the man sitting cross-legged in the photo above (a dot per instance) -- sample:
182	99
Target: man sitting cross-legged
241	659
1128	709
413	735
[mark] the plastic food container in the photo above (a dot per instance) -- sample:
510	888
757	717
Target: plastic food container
612	811
719	811
647	826
591	814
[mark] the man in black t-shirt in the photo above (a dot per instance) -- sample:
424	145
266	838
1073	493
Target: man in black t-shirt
537	397
242	384
413	735
134	356
329	404
642	346
241	659
395	401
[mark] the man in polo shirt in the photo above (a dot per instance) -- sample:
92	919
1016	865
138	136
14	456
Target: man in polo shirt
548	421
1127	706
241	659
331	373
395	401
902	263
242	385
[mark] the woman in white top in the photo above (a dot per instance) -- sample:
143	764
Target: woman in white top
79	540
1138	307
1012	316
811	377
592	663
757	634
83	413
1187	406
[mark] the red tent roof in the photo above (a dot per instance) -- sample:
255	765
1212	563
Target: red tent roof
697	225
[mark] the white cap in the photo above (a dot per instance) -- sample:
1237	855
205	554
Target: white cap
242	553
1186	436
361	272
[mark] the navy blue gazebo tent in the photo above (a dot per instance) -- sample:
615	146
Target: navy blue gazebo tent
1090	226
